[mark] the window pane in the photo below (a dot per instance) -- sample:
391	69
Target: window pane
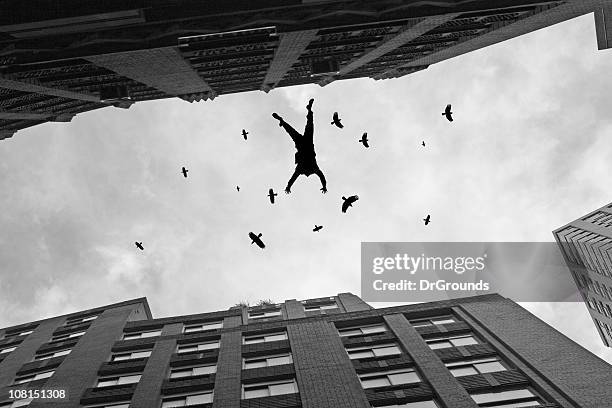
419	404
256	363
386	351
533	403
461	371
141	354
280	389
180	373
491	367
199	399
43	375
404	378
175	403
502	396
7	350
107	383
129	379
273	361
276	337
439	344
187	349
204	370
350	332
443	321
21	403
121	357
375	382
464	341
256	392
151	334
353	355
252	340
208	346
131	336
374	329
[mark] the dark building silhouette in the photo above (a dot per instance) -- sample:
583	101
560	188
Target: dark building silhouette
333	352
586	244
58	59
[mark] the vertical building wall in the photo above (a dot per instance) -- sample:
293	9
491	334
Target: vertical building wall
579	376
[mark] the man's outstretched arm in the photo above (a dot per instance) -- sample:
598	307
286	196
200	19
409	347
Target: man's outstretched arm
291	181
323	181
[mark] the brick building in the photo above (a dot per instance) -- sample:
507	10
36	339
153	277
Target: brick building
586	244
58	61
334	352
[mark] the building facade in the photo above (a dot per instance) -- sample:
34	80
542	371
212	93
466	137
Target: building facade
333	352
56	62
586	244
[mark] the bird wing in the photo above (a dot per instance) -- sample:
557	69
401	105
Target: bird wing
354	198
365	143
345	206
340	125
448	108
335	116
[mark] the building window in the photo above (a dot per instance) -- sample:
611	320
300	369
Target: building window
17	403
7	349
33	377
61	337
320	308
477	366
193	328
193	371
388	378
141	335
261	315
269	389
187	400
130	355
121	380
188	348
81	320
267	361
416	404
51	355
433	321
451	341
380	350
119	405
21	333
265	338
507	399
362	330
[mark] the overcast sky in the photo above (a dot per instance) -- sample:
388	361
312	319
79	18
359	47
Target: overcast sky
529	151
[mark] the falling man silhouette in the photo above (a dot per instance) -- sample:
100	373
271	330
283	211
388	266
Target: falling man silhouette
305	157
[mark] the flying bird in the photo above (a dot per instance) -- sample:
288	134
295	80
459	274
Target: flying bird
139	245
336	121
237	188
184	170
427	219
272	194
423	143
244	134
317	228
348	202
256	239
364	139
447	112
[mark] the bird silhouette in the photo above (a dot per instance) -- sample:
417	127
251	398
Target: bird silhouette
244	134
237	188
184	170
336	121
423	143
139	245
427	219
317	228
348	202
272	194
364	139
447	112
256	239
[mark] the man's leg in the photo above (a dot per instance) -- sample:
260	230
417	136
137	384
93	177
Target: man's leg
309	129
289	129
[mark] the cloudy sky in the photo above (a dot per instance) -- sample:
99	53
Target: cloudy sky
528	152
